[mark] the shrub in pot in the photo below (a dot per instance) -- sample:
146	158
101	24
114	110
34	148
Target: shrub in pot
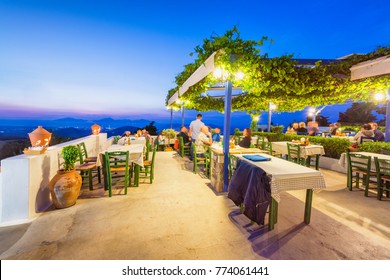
65	185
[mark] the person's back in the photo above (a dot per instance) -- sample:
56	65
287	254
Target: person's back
195	127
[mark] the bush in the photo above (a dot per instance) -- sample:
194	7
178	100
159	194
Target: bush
374	147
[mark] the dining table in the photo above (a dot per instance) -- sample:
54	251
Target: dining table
136	156
307	151
288	176
133	140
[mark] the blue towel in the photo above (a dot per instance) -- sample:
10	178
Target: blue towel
256	158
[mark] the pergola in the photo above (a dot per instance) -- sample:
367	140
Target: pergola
374	68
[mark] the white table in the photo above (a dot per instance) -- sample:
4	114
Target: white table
306	151
133	140
343	158
136	152
289	176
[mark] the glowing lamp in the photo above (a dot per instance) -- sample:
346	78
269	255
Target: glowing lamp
256	119
379	96
272	107
96	129
40	137
218	73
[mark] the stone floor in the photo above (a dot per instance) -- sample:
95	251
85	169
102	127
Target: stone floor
180	217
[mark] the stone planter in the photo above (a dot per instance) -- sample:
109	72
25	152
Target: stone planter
65	188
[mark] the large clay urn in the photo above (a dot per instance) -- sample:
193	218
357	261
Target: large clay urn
40	137
65	188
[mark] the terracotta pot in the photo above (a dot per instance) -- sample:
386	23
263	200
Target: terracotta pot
40	137
65	188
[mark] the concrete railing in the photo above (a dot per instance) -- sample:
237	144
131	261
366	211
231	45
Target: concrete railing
24	180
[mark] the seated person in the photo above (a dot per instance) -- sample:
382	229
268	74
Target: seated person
365	131
204	138
125	138
246	141
295	127
379	136
335	130
217	135
302	128
312	128
184	133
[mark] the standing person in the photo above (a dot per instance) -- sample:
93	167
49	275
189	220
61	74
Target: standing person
379	136
195	127
246	142
217	135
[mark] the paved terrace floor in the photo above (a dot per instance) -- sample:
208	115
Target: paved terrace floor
180	217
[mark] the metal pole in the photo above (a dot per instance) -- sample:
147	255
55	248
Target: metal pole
387	130
314	115
171	116
182	114
226	134
269	116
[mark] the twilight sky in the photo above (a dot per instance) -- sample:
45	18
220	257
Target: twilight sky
119	58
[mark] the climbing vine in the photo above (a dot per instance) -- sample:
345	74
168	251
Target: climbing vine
280	80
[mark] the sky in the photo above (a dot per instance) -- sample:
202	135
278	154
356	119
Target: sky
119	58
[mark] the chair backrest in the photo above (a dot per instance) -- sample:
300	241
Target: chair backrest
119	159
147	149
294	151
181	143
359	161
302	133
367	139
154	155
83	151
207	152
267	146
382	166
232	164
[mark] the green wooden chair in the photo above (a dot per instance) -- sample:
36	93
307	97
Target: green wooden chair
117	166
197	160
360	165
383	177
294	154
207	155
232	165
88	169
148	170
147	150
183	149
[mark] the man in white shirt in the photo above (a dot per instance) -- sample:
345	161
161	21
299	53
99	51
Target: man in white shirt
204	138
195	127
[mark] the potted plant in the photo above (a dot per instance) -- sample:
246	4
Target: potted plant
65	185
168	133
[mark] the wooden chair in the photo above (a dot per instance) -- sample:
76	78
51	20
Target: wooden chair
232	164
267	146
294	154
117	166
367	139
360	165
383	177
207	155
183	149
148	169
196	159
88	169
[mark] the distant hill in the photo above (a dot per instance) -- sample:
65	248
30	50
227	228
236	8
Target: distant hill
71	132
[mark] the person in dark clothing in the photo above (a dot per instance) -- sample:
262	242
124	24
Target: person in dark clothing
246	142
302	128
379	136
184	133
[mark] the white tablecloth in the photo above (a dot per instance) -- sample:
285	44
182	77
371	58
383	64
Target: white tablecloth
343	158
133	140
136	152
311	150
288	176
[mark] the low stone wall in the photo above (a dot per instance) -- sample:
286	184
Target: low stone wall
24	191
332	164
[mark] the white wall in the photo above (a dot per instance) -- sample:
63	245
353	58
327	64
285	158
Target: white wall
24	180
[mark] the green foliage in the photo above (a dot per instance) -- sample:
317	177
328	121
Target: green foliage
116	139
278	80
374	147
169	133
151	128
359	113
277	129
70	155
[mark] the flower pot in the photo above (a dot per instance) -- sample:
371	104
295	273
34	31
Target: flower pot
65	188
